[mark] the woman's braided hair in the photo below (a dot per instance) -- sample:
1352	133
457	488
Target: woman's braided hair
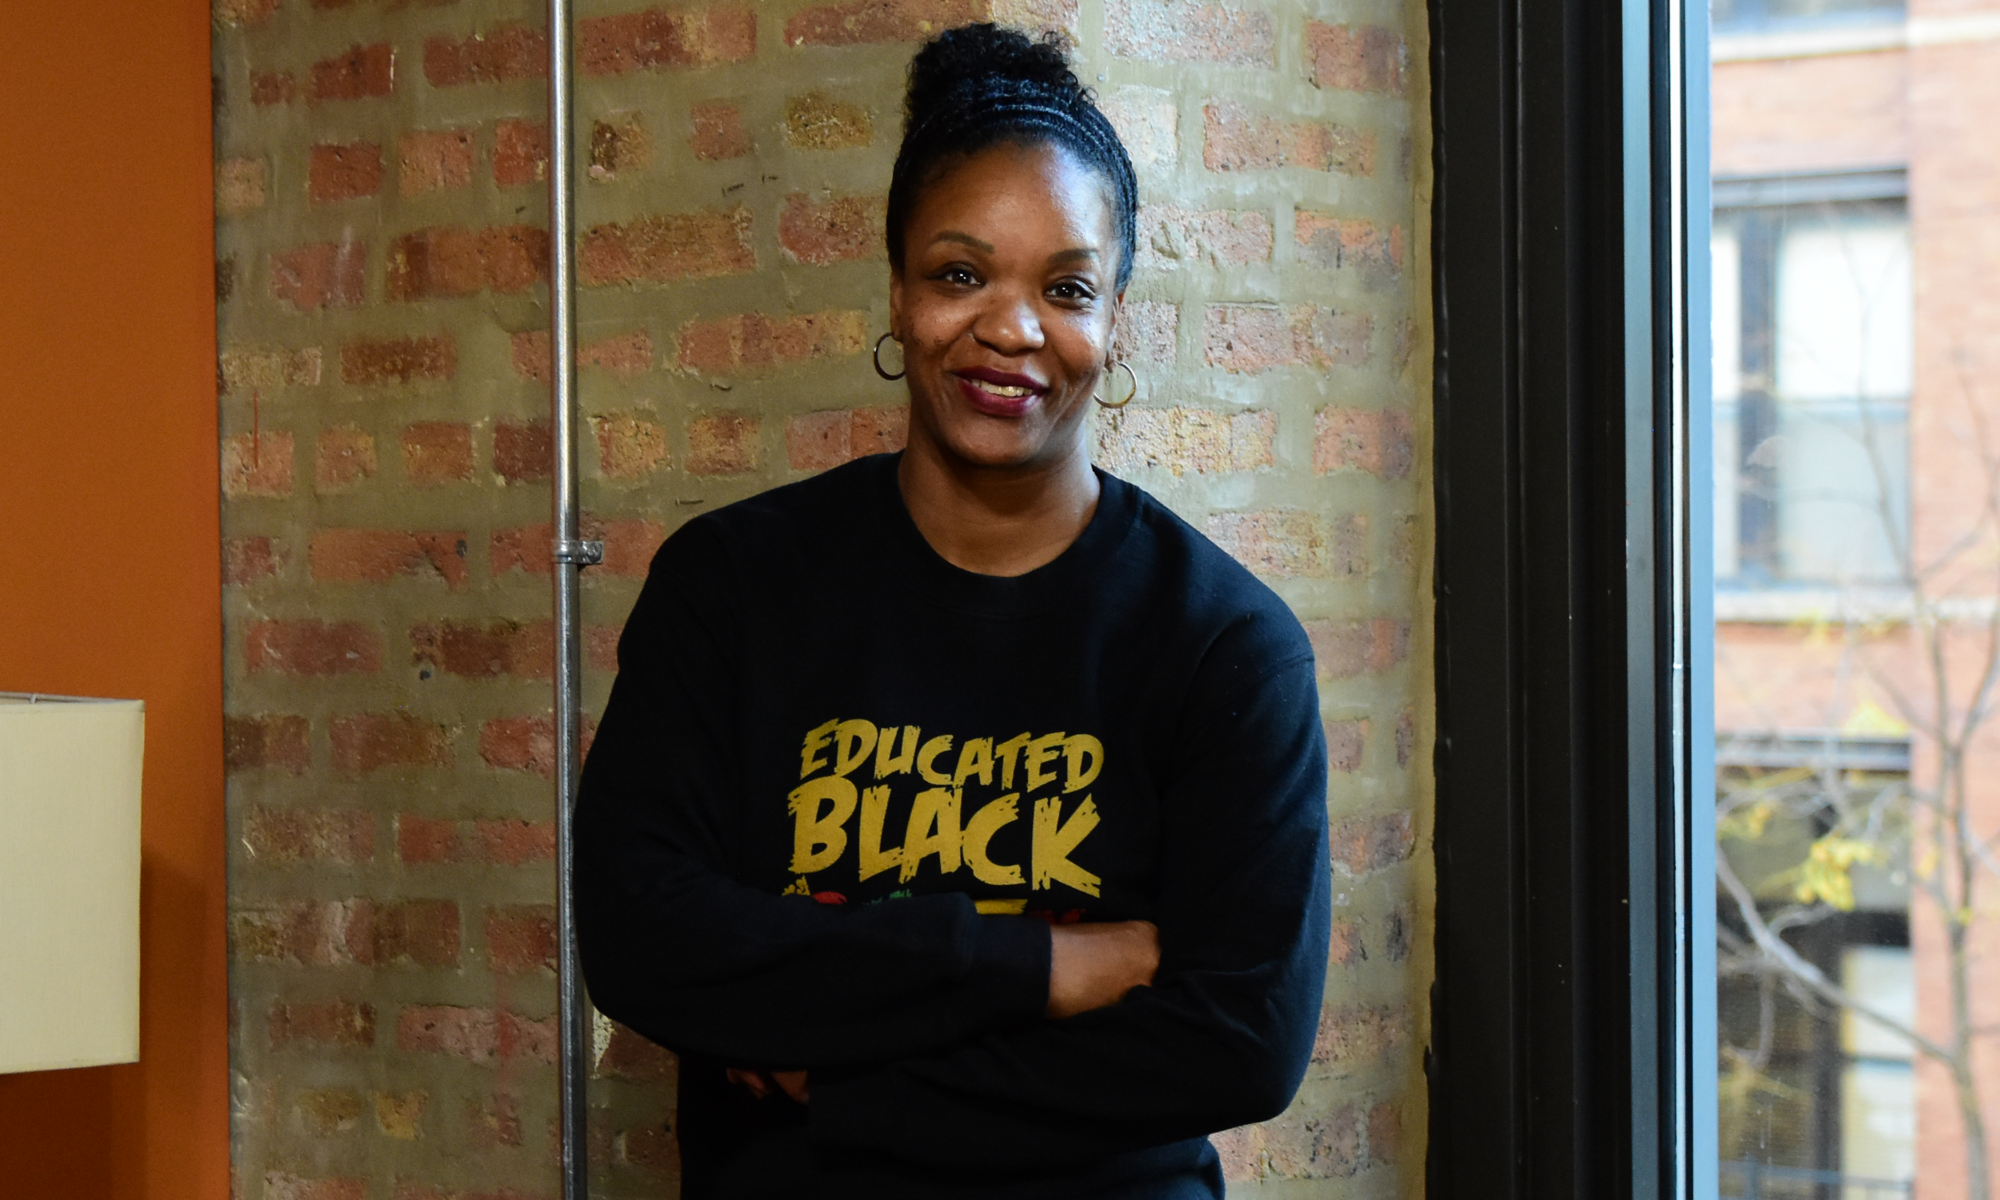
978	85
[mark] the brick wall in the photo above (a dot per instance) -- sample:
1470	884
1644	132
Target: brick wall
382	244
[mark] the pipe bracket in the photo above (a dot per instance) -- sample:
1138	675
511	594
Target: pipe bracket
583	554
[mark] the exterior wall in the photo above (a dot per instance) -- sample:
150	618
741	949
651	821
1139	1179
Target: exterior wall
108	543
380	187
1837	112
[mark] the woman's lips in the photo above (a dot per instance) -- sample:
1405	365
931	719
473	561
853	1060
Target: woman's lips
996	394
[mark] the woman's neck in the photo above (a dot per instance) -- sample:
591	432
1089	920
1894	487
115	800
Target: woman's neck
997	520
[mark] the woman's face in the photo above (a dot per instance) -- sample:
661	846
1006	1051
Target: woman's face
1004	304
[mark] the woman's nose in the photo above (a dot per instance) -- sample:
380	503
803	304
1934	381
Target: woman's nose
1009	324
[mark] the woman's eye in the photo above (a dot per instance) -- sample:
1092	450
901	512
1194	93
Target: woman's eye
1072	291
957	276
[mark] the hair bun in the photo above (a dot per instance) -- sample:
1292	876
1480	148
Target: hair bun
979	59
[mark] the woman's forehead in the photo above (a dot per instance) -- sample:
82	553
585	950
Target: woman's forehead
1036	192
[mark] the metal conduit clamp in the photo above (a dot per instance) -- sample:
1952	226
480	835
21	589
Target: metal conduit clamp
580	553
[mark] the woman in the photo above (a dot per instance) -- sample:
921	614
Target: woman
958	815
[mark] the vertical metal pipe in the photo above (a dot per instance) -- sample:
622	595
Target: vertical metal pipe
571	555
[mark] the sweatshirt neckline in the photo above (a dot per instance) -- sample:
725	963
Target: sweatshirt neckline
1055	581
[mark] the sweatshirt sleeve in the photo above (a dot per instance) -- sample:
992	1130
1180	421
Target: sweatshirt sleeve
675	948
1223	1036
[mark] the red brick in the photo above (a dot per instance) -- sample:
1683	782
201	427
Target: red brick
1335	243
498	55
822	232
380	555
525	1037
330	1111
1363	844
700	245
258	464
290	835
751	340
1148	332
1346	742
651	1146
520	153
434	160
375	741
241	12
344	455
1344	944
1385	1135
1355	1033
1374	440
880	430
1148	122
427	840
522	744
818	122
725	444
436	452
523	451
309	933
1315	1144
1357	58
241	186
615	45
1399	929
513	841
248	559
1344	649
268	88
311	647
358	74
468	1033
1181	440
1249	338
628	547
270	740
481	650
629	445
1181	31
620	144
332	1023
344	172
1171	237
864	21
1289	543
623	355
1406	737
398	360
1242	1153
422	932
417	1191
321	275
362	932
820	440
1236	139
245	369
225	278
634	1057
445	262
718	132
282	1185
521	939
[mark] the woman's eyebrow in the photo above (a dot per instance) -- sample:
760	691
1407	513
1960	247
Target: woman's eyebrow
964	239
1081	253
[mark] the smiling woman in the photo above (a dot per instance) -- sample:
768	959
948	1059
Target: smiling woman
958	815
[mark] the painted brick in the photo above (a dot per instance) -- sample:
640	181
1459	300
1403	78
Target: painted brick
1290	543
343	456
436	263
241	185
623	355
615	45
321	275
523	451
700	245
620	144
635	1058
1190	31
371	361
247	369
294	835
258	464
1237	139
249	559
521	939
520	153
1357	58
628	547
1325	240
312	647
1181	440
436	452
1171	237
1353	1034
359	73
433	161
344	172
270	88
1346	743
268	740
282	1185
368	742
1148	122
629	445
1345	649
524	744
819	122
750	340
337	1023
840	229
865	21
1362	844
718	132
380	555
724	444
1377	441
496	56
1251	338
1148	332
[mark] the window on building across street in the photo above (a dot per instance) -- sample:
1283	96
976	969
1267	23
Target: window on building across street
1813	334
1735	15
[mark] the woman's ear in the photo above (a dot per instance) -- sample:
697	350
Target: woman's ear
895	303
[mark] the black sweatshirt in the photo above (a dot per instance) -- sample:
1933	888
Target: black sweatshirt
840	792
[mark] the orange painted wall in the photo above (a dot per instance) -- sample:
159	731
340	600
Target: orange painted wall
109	573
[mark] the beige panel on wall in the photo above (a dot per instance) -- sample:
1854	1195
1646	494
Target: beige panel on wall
69	881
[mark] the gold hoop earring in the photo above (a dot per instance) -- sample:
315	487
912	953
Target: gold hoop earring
878	360
1121	365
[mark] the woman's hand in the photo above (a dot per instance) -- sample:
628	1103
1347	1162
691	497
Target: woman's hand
1093	964
759	1083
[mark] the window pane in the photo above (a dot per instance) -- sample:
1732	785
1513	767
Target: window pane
1844	309
1727	308
1843	486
